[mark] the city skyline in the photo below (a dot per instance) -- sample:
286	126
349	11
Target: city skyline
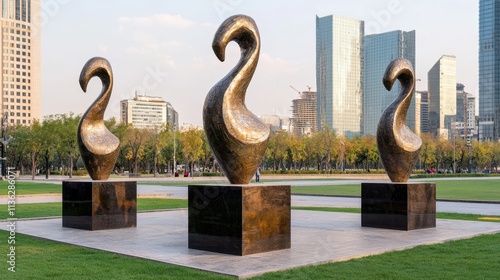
164	48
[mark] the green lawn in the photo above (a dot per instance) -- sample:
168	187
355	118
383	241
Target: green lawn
453	189
474	258
23	188
35	210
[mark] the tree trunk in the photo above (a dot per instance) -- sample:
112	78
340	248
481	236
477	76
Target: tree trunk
46	166
155	164
70	166
33	166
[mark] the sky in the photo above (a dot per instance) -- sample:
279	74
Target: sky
163	48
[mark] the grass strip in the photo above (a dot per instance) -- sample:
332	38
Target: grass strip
50	209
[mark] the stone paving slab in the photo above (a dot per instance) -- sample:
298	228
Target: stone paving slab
317	237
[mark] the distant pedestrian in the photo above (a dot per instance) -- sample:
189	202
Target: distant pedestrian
257	175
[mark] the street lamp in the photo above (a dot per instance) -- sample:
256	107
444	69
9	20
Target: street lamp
175	165
5	142
342	157
469	144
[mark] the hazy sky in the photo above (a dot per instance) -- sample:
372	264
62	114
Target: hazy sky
164	47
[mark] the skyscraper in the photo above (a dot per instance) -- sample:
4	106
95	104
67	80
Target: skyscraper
489	70
379	51
423	110
442	86
339	66
20	40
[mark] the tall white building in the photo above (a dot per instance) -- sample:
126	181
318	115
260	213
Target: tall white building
20	75
148	112
442	86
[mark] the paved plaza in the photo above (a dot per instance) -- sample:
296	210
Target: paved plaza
317	237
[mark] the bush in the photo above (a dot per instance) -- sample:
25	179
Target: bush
318	172
211	174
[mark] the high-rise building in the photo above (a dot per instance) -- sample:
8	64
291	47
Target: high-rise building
465	120
148	112
339	67
442	86
304	113
422	101
379	51
20	41
489	70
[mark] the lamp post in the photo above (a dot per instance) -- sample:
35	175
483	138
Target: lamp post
5	142
454	161
342	157
175	165
469	144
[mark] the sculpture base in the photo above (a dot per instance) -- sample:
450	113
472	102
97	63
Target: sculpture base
239	219
97	205
402	206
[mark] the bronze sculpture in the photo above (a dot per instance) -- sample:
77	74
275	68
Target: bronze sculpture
98	146
237	138
398	146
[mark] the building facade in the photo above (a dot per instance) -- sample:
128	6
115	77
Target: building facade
379	51
465	121
304	114
442	84
277	123
148	112
422	112
20	41
489	70
339	67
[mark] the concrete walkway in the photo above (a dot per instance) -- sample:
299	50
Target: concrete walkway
317	237
144	190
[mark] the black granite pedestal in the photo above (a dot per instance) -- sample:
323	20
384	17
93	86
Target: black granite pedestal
239	219
97	205
402	206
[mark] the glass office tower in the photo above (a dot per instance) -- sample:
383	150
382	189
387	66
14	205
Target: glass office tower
379	51
489	70
442	86
339	66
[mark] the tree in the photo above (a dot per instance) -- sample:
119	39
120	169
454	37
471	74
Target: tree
428	150
297	150
156	142
192	144
134	143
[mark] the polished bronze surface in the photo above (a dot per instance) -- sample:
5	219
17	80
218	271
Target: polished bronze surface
398	146
239	219
98	205
98	146
402	206
237	138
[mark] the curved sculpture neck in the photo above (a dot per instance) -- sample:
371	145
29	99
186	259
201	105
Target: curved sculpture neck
404	73
405	96
97	68
245	33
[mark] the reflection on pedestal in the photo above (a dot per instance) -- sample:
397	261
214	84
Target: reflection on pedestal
402	206
239	219
96	205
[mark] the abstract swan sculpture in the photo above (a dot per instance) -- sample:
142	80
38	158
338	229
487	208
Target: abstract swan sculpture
238	138
98	146
398	146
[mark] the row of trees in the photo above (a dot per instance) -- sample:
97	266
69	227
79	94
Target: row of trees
52	145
